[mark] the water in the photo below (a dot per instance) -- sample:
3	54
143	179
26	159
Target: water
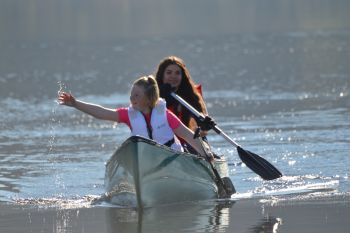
302	130
281	92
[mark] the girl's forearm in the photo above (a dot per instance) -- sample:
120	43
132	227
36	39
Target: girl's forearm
187	134
96	111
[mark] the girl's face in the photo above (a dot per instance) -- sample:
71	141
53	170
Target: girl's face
138	99
173	76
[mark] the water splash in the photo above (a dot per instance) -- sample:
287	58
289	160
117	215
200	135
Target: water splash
53	120
53	123
62	88
61	203
288	186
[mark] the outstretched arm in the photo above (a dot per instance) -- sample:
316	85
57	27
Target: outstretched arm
94	110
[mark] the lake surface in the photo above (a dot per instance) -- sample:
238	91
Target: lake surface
278	86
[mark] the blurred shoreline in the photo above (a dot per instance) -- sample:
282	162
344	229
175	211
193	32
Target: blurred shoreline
314	64
83	21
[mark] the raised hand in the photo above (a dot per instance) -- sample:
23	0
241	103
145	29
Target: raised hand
66	99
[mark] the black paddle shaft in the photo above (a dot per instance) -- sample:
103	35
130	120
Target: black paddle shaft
255	162
223	191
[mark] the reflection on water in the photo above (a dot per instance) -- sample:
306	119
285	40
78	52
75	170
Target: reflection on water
186	217
267	225
322	215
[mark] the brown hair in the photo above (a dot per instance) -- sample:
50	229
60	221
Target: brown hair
149	84
187	89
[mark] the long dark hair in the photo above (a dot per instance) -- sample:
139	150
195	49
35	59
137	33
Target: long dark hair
187	89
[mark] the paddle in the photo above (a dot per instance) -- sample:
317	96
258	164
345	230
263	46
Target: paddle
226	188
255	162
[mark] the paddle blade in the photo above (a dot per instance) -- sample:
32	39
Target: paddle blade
258	165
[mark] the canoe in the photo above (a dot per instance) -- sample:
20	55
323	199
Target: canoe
142	173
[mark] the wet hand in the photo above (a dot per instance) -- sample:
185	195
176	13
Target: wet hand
66	99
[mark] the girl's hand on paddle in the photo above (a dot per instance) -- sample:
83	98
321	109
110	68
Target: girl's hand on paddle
66	99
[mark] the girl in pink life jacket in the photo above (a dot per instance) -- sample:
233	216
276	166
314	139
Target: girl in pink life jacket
146	116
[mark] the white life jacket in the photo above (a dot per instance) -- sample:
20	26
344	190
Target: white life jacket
161	131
